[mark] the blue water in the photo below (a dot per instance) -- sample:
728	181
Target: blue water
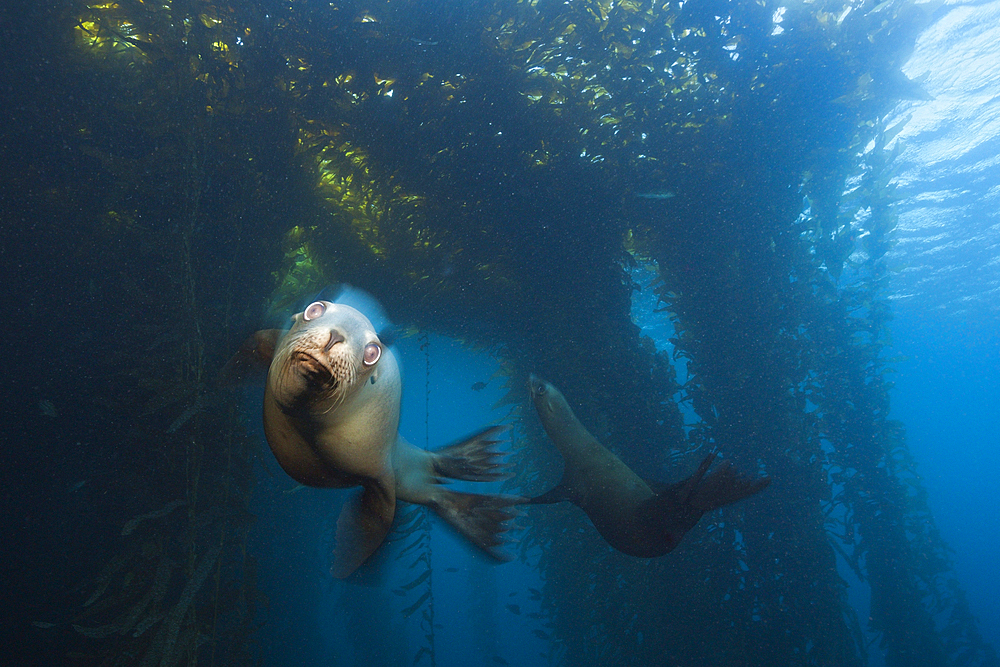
946	292
947	394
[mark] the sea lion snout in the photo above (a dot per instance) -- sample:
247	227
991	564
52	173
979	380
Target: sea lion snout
335	337
548	400
311	367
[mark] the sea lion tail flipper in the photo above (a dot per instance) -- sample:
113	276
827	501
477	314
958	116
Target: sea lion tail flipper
362	526
474	459
252	360
482	519
722	487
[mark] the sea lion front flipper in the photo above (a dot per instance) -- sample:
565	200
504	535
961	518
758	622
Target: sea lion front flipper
252	360
685	488
480	518
675	510
724	486
362	526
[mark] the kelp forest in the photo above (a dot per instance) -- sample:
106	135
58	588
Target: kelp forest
506	173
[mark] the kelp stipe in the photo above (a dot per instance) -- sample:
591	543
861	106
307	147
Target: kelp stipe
415	527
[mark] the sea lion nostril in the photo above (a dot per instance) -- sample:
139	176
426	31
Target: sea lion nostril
334	339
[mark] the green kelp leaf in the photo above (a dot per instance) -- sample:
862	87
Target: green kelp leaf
411	546
131	524
113	567
147	623
172	393
409	611
851	560
99	632
174	640
422	558
407	523
514	396
416	582
193	409
891	133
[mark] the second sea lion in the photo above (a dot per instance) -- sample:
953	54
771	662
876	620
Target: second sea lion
625	510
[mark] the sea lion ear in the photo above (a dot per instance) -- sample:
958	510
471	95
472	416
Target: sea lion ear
388	336
251	361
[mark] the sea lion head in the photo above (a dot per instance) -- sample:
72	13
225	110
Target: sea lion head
328	353
549	402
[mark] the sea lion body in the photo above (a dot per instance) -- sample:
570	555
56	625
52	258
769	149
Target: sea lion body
339	427
594	479
626	511
331	417
332	420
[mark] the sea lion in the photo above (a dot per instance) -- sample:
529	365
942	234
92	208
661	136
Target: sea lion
626	511
331	418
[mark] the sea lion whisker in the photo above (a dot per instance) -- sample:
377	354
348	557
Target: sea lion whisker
334	403
338	397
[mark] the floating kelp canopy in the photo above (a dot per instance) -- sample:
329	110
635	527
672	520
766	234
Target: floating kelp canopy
493	171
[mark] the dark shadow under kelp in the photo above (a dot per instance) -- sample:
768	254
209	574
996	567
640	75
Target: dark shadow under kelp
487	171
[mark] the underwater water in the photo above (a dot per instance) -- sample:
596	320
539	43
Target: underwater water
947	293
764	230
946	395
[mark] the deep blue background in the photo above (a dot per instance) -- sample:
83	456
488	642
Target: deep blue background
948	396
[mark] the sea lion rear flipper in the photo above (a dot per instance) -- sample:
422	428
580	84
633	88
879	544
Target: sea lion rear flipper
362	526
473	459
252	360
480	518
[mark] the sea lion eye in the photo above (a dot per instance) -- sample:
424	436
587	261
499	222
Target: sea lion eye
314	310
372	353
